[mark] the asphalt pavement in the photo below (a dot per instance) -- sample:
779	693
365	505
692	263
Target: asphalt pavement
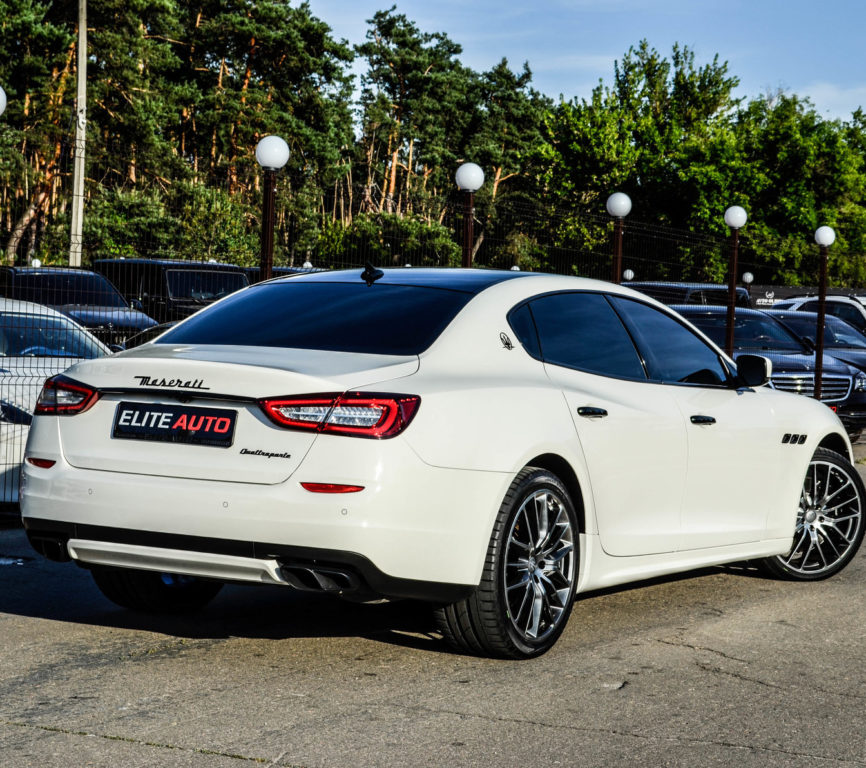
720	667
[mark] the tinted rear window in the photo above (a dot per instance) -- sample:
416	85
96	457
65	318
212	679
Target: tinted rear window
341	317
62	288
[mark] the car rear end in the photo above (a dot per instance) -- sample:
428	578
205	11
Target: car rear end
271	464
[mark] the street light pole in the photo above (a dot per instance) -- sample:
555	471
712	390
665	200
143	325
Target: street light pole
619	206
469	178
735	218
825	237
77	222
272	153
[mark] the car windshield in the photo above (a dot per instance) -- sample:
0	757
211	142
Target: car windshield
750	332
837	333
203	285
26	335
64	288
341	317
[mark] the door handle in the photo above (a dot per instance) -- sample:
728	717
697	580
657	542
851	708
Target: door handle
702	420
590	412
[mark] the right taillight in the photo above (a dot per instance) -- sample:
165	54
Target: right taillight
62	396
356	414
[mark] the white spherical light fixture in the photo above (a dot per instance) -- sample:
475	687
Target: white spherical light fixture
735	217
2	101
618	205
825	236
272	153
748	278
469	177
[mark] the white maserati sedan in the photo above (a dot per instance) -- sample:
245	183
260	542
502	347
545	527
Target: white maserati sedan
490	442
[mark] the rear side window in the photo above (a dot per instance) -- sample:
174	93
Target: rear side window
580	330
340	317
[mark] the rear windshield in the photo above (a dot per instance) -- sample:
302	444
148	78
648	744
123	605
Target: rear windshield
63	288
340	317
204	286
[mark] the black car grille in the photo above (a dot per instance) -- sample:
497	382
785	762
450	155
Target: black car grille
109	334
832	387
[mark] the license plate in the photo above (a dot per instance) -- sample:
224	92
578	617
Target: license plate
175	424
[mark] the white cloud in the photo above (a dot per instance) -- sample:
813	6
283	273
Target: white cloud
832	100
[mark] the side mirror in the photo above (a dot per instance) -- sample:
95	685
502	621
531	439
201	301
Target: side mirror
136	304
810	343
753	370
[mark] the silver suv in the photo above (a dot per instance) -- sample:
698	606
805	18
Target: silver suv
849	308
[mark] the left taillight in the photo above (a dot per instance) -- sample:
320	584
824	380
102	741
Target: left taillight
355	414
62	396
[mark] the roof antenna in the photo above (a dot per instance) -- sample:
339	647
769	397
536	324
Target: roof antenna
370	274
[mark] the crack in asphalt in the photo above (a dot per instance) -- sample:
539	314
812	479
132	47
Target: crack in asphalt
681	644
155	744
427	710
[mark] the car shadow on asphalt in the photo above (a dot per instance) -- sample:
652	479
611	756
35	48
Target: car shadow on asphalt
34	587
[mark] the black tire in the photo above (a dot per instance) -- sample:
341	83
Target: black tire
153	592
523	600
829	526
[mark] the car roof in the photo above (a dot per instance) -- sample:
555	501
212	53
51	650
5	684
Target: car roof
674	284
464	280
175	263
52	270
710	309
28	308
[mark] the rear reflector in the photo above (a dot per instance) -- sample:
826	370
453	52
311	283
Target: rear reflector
357	414
62	396
331	488
42	463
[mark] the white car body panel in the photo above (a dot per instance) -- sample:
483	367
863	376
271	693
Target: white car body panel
671	497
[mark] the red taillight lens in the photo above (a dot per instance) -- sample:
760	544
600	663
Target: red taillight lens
358	414
331	488
62	396
41	463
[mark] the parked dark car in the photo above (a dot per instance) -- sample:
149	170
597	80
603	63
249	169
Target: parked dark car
712	294
841	340
172	290
843	387
849	308
87	297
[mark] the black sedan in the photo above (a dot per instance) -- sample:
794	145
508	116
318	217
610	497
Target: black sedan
841	339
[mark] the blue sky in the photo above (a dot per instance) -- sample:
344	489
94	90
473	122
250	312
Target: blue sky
812	49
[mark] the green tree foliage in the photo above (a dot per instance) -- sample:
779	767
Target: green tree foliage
180	93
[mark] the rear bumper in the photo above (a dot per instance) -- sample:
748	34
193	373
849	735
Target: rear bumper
316	570
412	525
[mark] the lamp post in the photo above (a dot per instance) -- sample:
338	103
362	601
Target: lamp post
825	237
735	218
272	153
469	178
619	206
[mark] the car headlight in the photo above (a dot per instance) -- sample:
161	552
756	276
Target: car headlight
860	382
